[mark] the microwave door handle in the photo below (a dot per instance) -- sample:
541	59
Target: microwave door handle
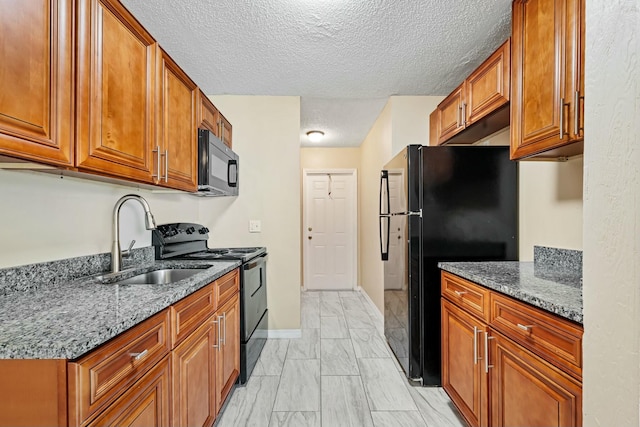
231	163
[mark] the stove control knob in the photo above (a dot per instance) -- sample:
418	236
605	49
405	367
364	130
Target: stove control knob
190	230
203	230
172	231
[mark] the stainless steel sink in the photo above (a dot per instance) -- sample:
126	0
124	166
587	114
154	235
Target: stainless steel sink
160	277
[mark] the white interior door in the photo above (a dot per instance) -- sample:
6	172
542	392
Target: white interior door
330	230
395	269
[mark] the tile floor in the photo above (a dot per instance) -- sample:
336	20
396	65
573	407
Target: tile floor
339	373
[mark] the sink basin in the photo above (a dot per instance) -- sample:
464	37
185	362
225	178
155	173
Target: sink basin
160	277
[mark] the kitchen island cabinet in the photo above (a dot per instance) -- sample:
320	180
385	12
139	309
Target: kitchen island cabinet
547	76
36	81
506	363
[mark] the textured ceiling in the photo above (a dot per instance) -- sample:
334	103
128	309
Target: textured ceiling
343	57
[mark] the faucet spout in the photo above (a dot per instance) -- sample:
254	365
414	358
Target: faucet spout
150	224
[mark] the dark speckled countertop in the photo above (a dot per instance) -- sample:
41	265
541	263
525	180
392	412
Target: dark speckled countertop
557	290
66	319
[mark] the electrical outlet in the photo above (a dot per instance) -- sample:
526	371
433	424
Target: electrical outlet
254	226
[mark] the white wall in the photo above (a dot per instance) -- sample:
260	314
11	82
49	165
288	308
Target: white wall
410	120
44	217
375	152
611	215
266	137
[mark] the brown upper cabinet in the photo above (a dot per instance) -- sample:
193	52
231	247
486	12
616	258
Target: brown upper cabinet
36	81
214	121
483	96
115	93
547	113
177	129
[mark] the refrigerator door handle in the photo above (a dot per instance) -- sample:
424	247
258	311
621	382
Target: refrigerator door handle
416	213
384	243
384	185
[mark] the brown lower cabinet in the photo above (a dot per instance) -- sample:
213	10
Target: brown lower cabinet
175	368
495	379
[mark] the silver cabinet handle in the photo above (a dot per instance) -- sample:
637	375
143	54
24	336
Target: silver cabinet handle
460	293
459	115
475	345
138	356
464	114
486	352
217	345
576	118
526	328
562	105
157	175
224	329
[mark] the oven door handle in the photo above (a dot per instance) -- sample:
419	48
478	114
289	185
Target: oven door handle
262	259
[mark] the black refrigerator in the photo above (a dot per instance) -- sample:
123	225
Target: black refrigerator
439	204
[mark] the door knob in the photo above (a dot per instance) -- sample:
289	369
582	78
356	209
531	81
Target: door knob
309	237
310	229
398	237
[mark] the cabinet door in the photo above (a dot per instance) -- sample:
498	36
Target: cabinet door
226	131
542	93
229	358
527	391
177	127
463	376
36	84
194	385
209	115
115	92
488	88
575	63
145	404
449	117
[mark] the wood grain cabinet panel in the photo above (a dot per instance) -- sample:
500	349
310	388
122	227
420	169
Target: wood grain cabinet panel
194	377
226	131
177	127
463	376
547	78
467	295
209	115
146	404
115	92
228	362
36	81
527	391
226	286
449	115
190	312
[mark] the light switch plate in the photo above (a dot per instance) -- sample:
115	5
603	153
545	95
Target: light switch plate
255	226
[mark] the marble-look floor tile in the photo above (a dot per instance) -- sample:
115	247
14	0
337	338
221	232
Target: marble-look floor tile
358	319
310	313
344	402
348	294
331	308
333	327
352	304
337	357
272	358
329	296
397	419
306	347
295	419
251	405
435	406
384	386
368	343
299	388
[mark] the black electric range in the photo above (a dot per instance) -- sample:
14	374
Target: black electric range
188	241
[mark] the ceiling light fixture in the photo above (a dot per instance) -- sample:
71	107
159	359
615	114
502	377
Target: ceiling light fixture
315	135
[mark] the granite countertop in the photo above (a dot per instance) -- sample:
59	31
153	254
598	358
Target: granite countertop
66	320
553	289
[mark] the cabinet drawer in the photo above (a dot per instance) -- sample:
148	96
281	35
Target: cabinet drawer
467	295
190	312
226	286
556	340
98	378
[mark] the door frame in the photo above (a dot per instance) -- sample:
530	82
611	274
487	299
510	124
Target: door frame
306	173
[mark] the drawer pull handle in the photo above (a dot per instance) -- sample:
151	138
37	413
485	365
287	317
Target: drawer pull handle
217	345
460	293
475	345
486	352
138	356
526	328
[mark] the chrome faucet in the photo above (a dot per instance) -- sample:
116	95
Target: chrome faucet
150	223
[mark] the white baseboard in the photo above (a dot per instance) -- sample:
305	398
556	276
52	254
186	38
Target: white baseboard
374	307
284	333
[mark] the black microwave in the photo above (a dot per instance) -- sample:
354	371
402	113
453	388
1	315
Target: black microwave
217	167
